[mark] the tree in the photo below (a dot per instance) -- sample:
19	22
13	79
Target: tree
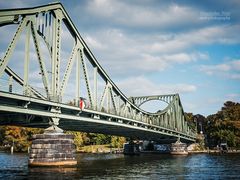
19	137
224	126
117	141
230	111
100	139
80	139
190	120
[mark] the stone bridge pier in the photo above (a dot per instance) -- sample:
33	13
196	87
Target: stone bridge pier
52	148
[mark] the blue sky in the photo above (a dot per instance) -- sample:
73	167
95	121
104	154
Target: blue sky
153	47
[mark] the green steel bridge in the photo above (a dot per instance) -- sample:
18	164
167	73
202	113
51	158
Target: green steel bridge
43	82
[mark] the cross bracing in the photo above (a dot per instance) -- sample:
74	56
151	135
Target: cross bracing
77	75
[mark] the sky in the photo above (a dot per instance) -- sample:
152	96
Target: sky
154	47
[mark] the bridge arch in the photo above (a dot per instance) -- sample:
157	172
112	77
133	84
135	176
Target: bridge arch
168	99
154	105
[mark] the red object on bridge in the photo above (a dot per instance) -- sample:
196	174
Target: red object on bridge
81	104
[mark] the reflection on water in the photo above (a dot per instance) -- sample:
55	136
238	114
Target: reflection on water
43	170
118	166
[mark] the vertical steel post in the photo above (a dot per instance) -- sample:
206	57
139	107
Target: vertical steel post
95	71
26	61
78	77
180	119
56	55
119	105
170	118
108	98
184	126
176	114
53	56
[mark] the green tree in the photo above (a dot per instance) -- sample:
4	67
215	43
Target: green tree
117	141
100	139
190	120
80	138
230	111
224	126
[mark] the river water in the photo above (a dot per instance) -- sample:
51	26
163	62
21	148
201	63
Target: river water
118	166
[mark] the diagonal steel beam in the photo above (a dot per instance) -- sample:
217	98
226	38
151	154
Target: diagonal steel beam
40	60
20	81
113	101
85	72
68	70
12	45
103	96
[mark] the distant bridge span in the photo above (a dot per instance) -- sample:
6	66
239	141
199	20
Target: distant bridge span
42	82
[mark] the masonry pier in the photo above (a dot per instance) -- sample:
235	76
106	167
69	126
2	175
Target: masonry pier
131	148
52	149
179	148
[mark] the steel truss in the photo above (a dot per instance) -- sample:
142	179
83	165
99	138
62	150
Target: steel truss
45	23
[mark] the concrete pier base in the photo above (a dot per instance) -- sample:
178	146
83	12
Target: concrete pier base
131	148
179	148
52	149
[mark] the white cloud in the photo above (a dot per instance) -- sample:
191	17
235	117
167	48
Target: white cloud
190	106
14	4
208	35
142	15
219	101
94	43
162	16
137	86
229	70
236	65
233	96
127	54
211	69
161	62
234	76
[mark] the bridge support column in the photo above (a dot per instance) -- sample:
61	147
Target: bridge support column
52	148
131	148
179	148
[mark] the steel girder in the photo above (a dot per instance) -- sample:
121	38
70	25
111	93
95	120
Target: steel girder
35	111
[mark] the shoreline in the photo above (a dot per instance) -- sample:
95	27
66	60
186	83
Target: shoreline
215	152
104	149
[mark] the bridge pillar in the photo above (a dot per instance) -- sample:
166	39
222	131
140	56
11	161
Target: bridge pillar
131	148
52	148
179	148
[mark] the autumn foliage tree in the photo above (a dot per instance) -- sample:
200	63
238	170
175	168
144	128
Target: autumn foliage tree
18	137
117	141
